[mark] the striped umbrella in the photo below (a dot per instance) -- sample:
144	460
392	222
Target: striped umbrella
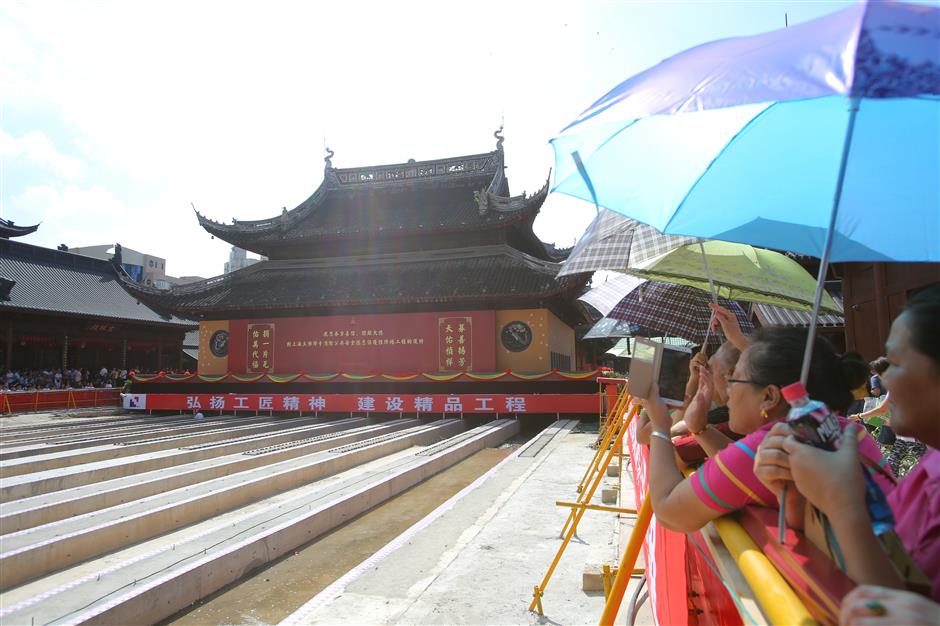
676	311
614	242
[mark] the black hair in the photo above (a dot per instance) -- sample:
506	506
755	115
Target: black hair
923	320
880	365
775	357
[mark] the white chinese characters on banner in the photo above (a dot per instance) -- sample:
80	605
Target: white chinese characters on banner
433	404
291	403
424	404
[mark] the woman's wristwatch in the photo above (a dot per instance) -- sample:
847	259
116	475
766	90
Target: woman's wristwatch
699	432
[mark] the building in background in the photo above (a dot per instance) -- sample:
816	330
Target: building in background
238	259
62	310
875	294
145	269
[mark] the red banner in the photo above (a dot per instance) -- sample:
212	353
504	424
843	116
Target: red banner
260	353
678	567
497	404
423	342
664	551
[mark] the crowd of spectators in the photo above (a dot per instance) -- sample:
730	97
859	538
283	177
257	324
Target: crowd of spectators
753	456
58	378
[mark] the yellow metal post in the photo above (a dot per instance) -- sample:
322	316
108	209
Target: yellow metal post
605	575
630	555
579	512
537	600
596	507
622	424
617	415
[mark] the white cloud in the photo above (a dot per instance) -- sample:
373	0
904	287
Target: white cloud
38	149
91	206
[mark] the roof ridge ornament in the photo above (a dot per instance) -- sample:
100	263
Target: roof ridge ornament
499	138
327	158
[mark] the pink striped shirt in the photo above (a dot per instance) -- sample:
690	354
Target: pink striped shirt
726	482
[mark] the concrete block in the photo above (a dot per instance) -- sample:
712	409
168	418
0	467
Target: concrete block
613	470
592	579
610	496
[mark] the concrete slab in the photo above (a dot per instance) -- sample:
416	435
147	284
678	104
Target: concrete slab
42	549
478	560
155	579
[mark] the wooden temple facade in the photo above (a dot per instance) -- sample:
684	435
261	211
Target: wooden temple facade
424	266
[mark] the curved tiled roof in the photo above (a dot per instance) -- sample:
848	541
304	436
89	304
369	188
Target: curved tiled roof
53	281
469	275
468	193
9	229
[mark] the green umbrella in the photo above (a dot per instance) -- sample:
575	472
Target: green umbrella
738	272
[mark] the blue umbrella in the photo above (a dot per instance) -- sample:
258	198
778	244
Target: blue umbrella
821	139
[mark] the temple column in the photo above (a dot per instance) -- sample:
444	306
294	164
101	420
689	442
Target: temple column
65	351
9	358
160	355
124	354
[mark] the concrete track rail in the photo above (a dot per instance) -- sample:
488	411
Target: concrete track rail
30	512
176	439
37	551
147	584
41	482
59	442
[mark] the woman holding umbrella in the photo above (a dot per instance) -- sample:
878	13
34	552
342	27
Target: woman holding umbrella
832	480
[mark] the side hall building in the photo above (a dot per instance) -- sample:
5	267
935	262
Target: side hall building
65	310
424	266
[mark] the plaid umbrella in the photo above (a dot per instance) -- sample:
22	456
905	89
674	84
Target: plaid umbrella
614	242
676	310
605	296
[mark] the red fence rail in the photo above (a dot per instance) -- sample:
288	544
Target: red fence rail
44	400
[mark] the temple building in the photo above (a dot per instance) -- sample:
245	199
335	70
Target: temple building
62	310
424	266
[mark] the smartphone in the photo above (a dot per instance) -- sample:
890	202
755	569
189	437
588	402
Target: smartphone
667	365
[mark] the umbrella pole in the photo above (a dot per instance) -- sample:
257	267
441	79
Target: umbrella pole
830	235
711	288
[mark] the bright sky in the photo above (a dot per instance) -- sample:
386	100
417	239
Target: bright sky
114	117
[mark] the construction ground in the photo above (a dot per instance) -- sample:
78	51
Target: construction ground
120	519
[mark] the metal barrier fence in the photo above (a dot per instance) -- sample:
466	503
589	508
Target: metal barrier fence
50	399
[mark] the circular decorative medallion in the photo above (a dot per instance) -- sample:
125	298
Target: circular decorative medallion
218	343
516	336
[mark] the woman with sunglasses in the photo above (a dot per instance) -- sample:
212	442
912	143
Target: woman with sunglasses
726	482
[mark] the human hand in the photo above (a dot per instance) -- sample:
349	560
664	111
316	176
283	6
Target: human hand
729	326
696	363
643	428
832	481
772	462
696	414
880	606
658	413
